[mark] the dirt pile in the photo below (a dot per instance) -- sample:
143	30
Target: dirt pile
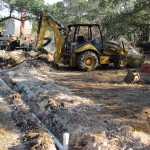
8	59
17	124
96	108
38	140
11	58
9	133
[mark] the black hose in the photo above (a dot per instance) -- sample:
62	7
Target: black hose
49	39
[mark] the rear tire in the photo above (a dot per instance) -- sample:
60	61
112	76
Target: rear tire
87	61
120	61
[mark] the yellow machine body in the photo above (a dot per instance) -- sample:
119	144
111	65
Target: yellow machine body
86	54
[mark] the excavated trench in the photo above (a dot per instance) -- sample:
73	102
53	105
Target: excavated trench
46	99
29	132
61	110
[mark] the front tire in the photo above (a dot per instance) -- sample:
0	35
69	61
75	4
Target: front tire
120	61
87	61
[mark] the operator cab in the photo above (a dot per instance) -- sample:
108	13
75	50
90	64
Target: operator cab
83	34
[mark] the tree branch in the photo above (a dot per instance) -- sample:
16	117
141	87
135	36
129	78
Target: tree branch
8	17
5	18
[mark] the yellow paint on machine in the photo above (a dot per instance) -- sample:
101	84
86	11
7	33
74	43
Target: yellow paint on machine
104	59
87	47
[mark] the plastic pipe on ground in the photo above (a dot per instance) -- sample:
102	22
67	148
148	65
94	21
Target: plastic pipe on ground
57	143
65	141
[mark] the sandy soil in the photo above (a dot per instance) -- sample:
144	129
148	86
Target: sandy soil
9	133
97	108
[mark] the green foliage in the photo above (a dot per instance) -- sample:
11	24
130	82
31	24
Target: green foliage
116	17
31	8
2	25
135	20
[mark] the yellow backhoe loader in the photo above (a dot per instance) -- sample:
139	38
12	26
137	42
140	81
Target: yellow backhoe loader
81	45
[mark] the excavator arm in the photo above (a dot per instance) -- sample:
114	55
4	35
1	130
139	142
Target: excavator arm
60	33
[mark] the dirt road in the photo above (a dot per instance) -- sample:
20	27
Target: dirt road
97	108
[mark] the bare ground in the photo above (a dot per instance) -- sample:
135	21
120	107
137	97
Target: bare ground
97	108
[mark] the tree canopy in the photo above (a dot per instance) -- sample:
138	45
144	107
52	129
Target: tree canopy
30	7
116	17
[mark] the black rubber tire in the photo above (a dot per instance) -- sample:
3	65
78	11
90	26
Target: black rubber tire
117	61
104	65
82	57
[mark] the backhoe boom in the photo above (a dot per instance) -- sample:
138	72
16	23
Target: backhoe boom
60	33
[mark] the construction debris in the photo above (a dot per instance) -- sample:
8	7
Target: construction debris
135	58
132	77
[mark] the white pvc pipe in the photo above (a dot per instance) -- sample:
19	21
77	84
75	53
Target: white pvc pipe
65	141
58	144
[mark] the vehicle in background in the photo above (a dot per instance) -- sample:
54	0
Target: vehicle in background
81	45
16	36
